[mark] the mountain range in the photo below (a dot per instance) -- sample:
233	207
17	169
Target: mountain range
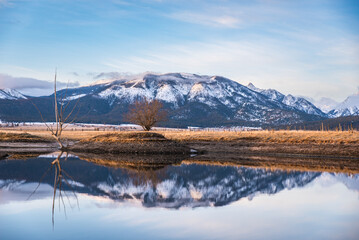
190	99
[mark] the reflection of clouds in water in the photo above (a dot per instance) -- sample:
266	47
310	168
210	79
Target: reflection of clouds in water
73	183
54	155
112	200
20	191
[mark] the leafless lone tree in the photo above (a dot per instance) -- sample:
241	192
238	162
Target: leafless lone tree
146	113
62	116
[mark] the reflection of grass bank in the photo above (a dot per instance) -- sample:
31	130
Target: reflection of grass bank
134	162
280	161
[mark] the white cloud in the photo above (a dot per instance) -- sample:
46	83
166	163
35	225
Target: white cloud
235	14
342	51
265	62
117	75
215	20
31	86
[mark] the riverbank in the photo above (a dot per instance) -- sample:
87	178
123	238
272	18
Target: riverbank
301	150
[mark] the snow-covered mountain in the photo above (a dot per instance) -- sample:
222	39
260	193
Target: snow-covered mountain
349	107
177	89
191	100
297	103
198	98
11	94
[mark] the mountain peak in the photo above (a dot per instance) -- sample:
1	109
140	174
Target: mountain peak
11	94
254	88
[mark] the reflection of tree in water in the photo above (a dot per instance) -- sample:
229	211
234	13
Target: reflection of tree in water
141	169
146	176
60	176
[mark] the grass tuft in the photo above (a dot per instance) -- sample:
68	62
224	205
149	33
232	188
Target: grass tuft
126	137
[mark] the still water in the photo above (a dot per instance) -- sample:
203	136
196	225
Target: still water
181	201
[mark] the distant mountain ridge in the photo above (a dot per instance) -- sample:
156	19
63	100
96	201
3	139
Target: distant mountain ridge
298	103
349	107
191	100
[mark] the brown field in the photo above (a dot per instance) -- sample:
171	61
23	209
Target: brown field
21	137
281	136
268	136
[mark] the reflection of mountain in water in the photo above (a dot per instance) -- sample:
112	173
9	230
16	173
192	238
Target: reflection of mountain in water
171	187
351	181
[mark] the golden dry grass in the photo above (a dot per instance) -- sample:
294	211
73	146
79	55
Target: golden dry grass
125	137
20	137
282	136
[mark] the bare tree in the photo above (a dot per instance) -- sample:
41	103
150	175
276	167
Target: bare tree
146	113
62	115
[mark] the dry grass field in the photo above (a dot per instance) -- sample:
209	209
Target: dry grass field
282	136
21	137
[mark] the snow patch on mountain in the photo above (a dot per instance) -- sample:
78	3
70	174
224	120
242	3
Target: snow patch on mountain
254	88
129	94
74	97
168	93
11	94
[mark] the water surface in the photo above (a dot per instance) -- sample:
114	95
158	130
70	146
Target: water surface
182	201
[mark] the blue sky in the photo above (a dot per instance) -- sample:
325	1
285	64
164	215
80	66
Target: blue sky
308	48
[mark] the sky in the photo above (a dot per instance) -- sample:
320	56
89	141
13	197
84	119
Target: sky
306	48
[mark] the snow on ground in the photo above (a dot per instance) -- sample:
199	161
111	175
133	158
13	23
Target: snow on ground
121	127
